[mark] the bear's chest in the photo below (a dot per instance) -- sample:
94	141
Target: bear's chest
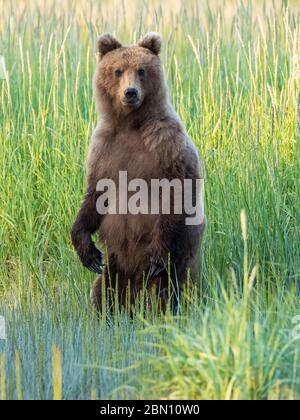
128	153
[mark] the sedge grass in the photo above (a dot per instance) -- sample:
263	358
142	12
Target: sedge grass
233	72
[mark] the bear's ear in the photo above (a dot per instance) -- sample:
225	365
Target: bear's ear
107	43
152	42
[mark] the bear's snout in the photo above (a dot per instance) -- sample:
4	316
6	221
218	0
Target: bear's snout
131	95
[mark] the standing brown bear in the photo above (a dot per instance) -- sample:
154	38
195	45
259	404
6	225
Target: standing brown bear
140	133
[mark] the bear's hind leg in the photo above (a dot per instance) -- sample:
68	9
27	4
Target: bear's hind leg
107	290
96	295
102	292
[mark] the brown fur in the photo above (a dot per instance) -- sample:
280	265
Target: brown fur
148	141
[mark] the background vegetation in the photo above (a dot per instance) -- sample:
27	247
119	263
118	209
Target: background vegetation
233	70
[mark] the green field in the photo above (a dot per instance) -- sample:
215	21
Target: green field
233	69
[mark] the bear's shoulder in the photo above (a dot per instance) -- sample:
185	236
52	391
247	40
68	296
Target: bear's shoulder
166	137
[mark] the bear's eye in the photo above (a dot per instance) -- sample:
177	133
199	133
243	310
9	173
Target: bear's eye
141	72
118	73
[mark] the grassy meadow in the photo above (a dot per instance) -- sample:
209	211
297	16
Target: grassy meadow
233	69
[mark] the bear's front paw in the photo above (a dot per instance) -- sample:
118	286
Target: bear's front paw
92	259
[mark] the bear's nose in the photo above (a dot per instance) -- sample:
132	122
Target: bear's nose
131	93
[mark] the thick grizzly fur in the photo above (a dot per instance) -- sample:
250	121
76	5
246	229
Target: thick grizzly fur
148	140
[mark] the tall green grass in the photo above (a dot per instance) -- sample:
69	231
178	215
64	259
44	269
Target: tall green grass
233	69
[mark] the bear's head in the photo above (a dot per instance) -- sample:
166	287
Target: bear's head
128	77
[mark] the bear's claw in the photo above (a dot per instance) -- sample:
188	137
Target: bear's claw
93	261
